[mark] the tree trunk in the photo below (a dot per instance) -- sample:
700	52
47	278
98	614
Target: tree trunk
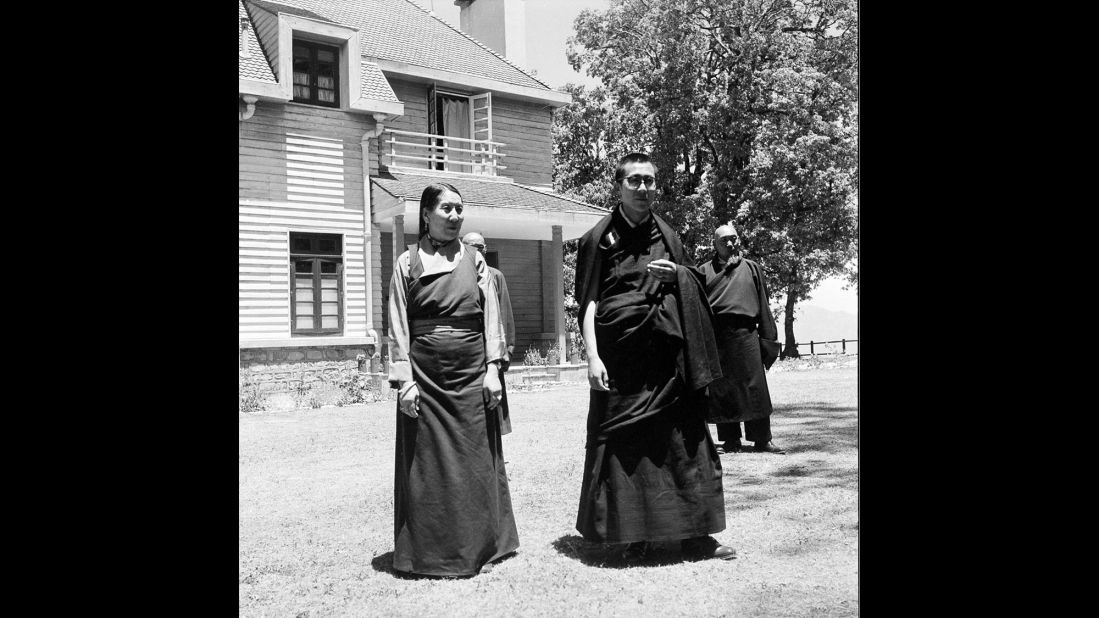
790	349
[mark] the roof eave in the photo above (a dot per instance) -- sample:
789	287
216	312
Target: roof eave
455	79
266	91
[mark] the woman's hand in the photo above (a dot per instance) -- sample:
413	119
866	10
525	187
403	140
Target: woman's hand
408	400
491	390
598	379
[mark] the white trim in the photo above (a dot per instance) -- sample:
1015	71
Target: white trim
454	79
305	342
344	37
266	91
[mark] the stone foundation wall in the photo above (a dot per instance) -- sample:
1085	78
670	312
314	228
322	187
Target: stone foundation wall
287	369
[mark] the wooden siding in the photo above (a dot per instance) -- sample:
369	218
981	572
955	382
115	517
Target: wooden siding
305	165
519	259
524	127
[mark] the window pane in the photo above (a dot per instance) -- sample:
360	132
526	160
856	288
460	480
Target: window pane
327	283
301	51
302	92
327	295
325	55
330	308
304	295
301	78
301	309
328	96
297	243
330	322
326	82
305	322
328	267
303	266
327	245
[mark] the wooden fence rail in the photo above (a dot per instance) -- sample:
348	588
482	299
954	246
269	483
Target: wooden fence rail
812	350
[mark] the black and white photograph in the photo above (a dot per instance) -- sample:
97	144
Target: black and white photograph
548	308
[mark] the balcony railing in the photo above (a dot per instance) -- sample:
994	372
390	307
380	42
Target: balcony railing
422	151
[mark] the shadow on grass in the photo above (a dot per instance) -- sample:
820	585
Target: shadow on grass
803	428
815	426
609	556
383	563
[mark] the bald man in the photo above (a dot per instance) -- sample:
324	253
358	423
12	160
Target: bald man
746	340
477	241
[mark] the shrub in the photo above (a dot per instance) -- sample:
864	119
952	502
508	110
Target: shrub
534	357
553	354
250	399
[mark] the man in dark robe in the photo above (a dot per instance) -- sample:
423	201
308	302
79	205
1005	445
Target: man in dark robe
477	241
651	470
746	336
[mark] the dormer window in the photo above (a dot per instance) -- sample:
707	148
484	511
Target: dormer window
316	74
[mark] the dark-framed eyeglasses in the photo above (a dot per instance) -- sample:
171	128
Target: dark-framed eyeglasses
635	181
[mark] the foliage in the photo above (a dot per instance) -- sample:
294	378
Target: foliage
534	357
553	354
749	111
250	398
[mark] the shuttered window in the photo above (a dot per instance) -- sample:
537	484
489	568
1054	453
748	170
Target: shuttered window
316	284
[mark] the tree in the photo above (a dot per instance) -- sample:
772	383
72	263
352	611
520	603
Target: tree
748	109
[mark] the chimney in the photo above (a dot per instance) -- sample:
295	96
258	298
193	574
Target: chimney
500	24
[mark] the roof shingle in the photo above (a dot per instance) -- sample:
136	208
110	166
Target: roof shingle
373	84
255	66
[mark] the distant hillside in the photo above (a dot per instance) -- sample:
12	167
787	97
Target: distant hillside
816	324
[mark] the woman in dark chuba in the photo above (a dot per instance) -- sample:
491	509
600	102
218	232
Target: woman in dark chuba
452	509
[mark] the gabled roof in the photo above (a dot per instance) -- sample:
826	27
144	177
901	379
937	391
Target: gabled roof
409	187
402	31
256	66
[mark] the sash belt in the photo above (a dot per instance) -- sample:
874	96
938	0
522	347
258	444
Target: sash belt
427	325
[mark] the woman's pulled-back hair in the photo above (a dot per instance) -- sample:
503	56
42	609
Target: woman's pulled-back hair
429	198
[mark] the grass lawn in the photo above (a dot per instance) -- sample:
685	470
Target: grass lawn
316	518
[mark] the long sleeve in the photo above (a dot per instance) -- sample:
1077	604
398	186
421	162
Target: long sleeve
505	312
399	368
767	327
495	347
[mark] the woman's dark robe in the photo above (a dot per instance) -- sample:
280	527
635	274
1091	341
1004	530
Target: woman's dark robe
452	508
651	471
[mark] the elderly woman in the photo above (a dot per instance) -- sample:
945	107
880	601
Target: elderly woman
452	509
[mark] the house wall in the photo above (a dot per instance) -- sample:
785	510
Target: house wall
326	197
524	128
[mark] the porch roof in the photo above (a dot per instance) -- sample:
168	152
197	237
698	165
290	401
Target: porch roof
498	209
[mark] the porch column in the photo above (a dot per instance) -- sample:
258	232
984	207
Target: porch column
557	270
398	238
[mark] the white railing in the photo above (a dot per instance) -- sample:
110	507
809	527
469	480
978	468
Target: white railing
423	151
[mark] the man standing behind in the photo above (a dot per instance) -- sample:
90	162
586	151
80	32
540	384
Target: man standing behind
477	241
651	470
743	326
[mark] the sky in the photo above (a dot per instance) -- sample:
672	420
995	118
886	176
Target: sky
549	24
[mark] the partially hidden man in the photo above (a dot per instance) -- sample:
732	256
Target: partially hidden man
477	241
746	337
651	470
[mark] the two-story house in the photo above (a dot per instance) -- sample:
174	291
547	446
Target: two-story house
348	109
